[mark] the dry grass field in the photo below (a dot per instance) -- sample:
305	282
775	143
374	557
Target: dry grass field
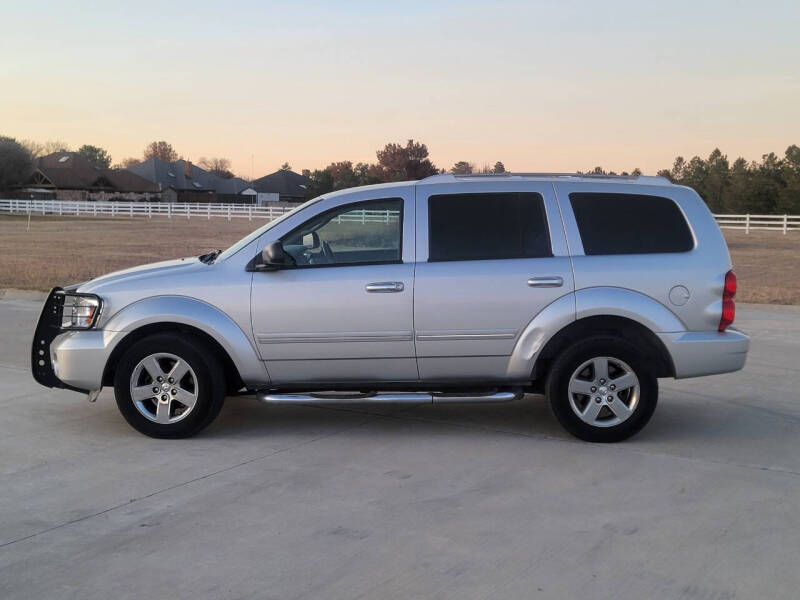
63	250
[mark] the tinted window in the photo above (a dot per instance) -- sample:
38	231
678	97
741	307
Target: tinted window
361	233
630	224
485	226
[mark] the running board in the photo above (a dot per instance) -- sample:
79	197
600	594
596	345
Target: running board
390	398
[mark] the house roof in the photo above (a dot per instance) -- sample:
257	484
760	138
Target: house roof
126	181
183	175
71	171
284	182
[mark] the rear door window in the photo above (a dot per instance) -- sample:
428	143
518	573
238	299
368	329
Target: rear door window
487	226
630	224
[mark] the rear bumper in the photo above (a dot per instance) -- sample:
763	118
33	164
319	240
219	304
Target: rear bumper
698	353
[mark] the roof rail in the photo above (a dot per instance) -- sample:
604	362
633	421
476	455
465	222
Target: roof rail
642	178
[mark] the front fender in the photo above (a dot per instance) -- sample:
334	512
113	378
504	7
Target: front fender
195	313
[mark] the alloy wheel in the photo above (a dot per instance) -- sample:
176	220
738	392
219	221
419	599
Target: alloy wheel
604	391
164	388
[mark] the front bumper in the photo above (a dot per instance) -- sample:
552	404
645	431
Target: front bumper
698	353
71	360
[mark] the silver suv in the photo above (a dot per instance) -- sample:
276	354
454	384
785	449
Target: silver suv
449	289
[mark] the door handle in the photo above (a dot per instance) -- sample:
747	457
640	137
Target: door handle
553	281
385	286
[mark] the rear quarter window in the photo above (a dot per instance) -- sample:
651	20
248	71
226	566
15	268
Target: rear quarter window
630	224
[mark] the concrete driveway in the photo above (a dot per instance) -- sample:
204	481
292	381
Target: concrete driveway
442	502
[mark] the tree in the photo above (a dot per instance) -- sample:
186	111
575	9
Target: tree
37	149
320	181
343	175
95	155
15	163
717	180
740	187
286	167
789	196
462	167
161	150
127	163
403	163
221	167
499	167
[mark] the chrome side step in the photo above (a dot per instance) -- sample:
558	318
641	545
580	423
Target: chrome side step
390	397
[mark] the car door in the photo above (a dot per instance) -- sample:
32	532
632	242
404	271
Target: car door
491	255
343	312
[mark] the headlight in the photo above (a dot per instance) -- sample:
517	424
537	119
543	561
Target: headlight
79	311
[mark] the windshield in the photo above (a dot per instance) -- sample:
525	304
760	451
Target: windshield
258	232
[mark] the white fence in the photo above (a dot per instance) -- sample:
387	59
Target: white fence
230	211
180	211
140	209
771	222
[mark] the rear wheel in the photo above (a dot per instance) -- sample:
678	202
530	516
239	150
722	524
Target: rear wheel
169	386
602	389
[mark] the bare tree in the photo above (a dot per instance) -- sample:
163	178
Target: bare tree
37	149
127	163
221	167
161	150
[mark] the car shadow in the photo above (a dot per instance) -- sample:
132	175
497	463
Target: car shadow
674	421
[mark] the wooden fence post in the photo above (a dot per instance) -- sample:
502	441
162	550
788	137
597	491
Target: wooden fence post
229	212
785	223
747	223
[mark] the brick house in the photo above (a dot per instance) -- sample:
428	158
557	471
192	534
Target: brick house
182	181
69	176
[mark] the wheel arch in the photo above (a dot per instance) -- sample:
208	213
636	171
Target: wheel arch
184	315
233	378
613	325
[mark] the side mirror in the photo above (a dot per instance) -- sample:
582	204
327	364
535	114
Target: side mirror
273	257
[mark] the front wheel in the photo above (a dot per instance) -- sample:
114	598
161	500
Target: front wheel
602	389
169	386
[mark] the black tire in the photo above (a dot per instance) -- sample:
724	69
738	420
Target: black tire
557	388
207	370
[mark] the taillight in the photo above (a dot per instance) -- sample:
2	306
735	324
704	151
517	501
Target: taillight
728	305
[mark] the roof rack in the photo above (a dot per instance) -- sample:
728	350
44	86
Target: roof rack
641	178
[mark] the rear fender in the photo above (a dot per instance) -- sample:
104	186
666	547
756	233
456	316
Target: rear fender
580	305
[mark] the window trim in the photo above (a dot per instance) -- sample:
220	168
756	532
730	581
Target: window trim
337	209
638	193
541	201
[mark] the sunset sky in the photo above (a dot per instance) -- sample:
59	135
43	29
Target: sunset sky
542	86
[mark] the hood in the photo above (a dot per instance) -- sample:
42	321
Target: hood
130	276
